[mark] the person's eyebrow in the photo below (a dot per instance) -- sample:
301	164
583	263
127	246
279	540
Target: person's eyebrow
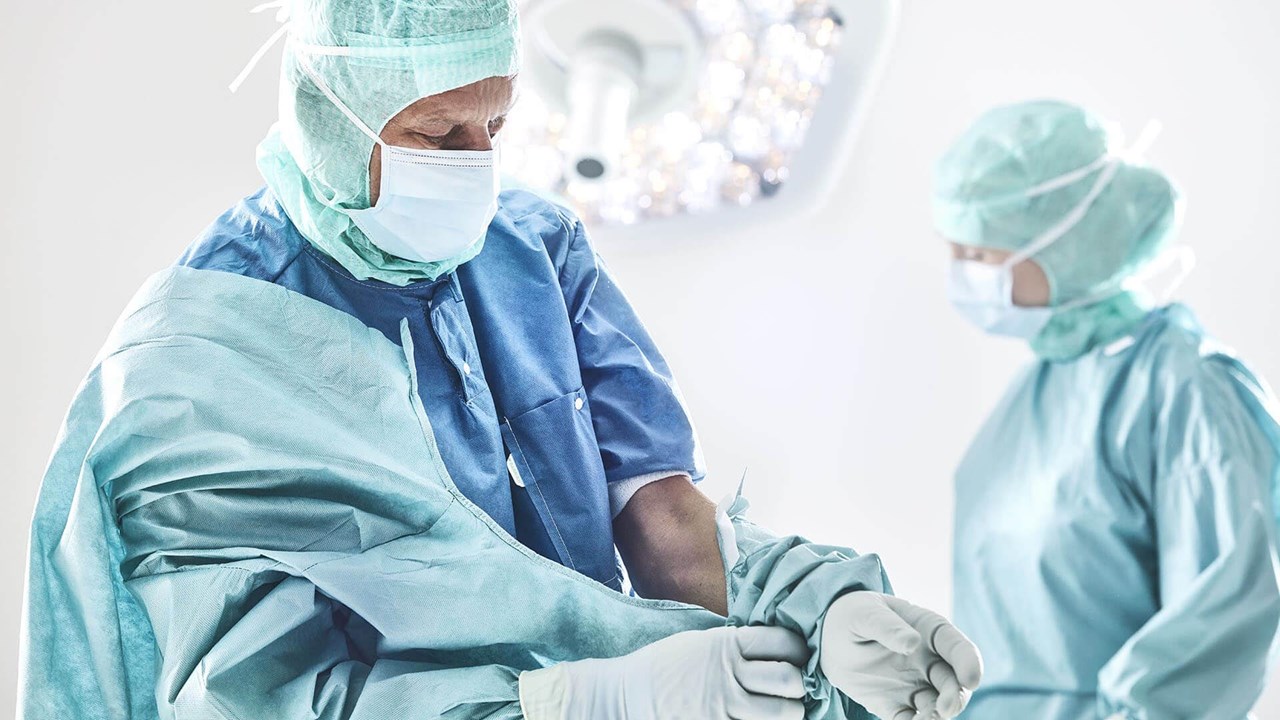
418	123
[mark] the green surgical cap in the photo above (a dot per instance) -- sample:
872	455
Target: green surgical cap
378	57
980	199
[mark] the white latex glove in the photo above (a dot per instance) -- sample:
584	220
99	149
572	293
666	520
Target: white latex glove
750	673
899	661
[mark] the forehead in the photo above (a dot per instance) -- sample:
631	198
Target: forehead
480	102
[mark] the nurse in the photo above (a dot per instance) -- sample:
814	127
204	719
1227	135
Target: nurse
1115	526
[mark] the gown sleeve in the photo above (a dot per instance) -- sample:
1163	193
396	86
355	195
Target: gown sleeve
1204	654
247	639
789	582
639	414
306	631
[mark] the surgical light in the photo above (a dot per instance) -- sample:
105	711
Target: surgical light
636	110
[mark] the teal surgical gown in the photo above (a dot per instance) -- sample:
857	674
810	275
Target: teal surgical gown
1115	534
247	516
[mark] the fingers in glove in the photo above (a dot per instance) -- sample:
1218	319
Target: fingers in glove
746	706
952	697
960	653
944	639
772	678
906	713
877	622
772	643
925	701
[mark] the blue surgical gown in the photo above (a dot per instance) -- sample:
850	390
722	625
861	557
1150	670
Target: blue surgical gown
545	388
1115	534
247	515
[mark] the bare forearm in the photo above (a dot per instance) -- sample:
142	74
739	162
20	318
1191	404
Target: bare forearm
667	537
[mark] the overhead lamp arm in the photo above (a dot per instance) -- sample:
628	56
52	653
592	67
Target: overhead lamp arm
604	82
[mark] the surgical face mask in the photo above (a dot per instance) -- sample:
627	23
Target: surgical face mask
433	205
983	293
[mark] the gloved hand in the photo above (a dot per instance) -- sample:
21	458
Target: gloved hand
750	673
899	661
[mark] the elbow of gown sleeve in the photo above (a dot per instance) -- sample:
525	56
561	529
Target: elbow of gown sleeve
1204	654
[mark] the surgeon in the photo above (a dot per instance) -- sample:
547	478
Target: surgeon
372	448
1115	538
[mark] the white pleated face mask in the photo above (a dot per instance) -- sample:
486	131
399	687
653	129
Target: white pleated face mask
983	295
433	205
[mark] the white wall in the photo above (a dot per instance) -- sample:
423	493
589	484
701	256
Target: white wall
820	355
